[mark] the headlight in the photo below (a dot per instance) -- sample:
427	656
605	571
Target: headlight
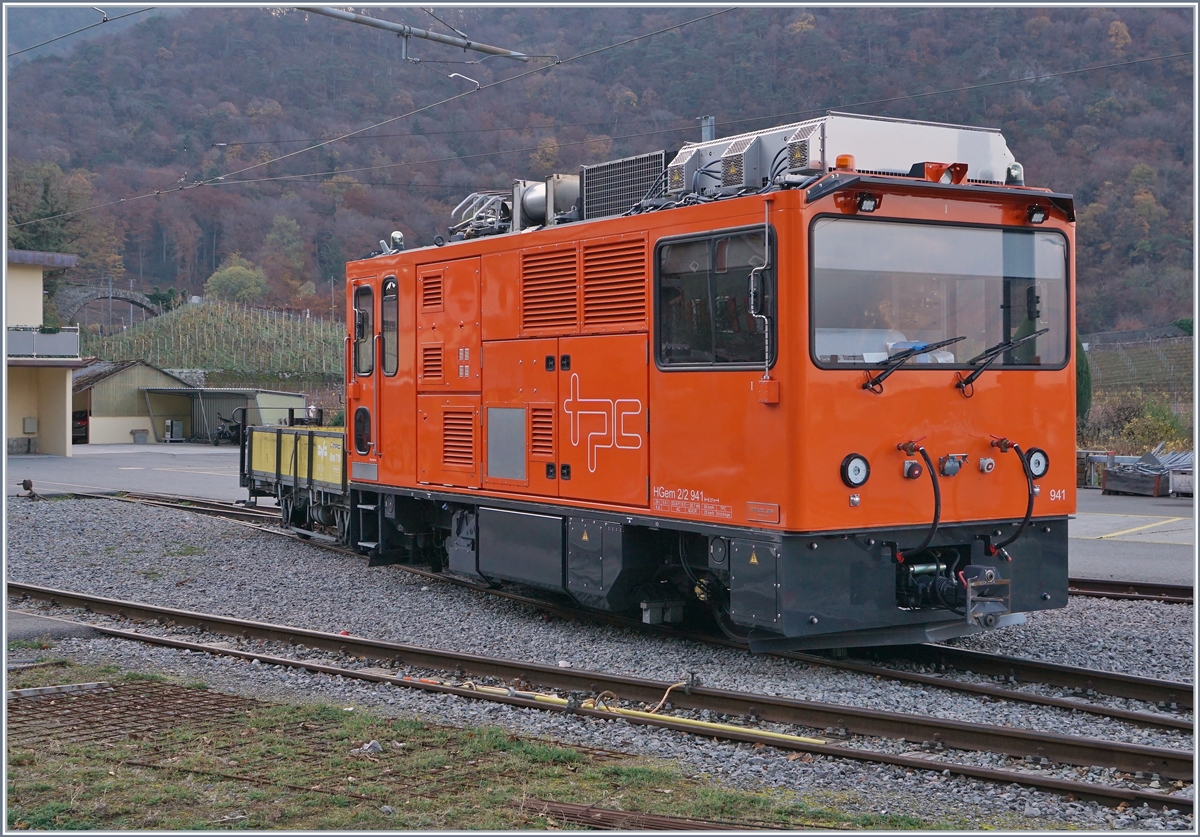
1039	462
855	470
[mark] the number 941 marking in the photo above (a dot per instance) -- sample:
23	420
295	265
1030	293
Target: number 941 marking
1058	494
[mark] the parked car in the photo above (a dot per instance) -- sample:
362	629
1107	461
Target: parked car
79	427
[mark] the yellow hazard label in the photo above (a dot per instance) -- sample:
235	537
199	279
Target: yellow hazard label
753	557
585	537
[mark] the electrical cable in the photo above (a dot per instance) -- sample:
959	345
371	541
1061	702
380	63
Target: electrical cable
478	87
732	122
466	130
937	508
220	180
1028	509
458	32
107	19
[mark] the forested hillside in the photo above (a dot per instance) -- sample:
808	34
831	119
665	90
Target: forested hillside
185	98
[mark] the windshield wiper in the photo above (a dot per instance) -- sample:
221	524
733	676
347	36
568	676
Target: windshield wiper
988	356
893	363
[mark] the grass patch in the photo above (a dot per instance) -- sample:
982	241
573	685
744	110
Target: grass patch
294	767
68	673
40	644
183	550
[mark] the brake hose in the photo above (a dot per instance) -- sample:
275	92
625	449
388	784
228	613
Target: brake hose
937	507
1028	509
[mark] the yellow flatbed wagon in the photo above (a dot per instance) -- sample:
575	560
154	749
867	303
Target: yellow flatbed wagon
304	469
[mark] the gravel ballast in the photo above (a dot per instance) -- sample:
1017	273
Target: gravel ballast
180	559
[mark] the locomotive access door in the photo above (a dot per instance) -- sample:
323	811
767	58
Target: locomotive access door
520	391
396	378
448	373
603	425
362	409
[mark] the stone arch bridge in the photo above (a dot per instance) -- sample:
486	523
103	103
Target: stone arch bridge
69	299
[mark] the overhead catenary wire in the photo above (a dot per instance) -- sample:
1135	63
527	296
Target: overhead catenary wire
107	19
223	177
528	149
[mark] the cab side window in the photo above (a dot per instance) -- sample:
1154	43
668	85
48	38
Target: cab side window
703	314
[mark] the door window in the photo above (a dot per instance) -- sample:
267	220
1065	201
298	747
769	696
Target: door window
389	321
364	331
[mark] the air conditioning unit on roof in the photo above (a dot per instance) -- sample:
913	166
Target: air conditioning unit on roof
879	145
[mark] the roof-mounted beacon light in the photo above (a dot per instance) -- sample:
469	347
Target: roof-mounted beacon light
844	162
1015	176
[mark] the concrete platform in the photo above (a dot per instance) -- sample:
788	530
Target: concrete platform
24	626
185	469
1134	538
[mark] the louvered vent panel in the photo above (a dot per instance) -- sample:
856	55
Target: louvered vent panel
431	292
548	291
542	433
458	438
431	363
614	285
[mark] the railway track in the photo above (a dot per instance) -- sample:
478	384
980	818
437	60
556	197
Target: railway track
213	508
1164	694
1137	590
935	734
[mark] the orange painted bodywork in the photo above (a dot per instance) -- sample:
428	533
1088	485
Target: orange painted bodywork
713	446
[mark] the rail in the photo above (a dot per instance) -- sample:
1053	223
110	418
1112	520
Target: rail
1138	590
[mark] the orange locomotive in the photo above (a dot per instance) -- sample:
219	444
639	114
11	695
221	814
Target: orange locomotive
813	378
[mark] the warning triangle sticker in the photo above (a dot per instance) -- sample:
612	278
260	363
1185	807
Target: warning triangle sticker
585	537
753	557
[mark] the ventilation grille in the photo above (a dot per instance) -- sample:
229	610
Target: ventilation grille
549	298
733	170
541	441
614	285
800	148
431	362
676	179
611	188
431	292
458	438
798	155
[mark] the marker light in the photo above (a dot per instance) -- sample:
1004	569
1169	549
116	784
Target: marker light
855	470
1039	462
1036	214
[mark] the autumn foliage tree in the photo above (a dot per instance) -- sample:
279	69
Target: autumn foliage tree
225	93
237	280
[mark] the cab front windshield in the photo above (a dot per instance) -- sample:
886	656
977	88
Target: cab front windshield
881	287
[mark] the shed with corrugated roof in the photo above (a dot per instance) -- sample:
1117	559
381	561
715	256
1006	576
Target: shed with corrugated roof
109	402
